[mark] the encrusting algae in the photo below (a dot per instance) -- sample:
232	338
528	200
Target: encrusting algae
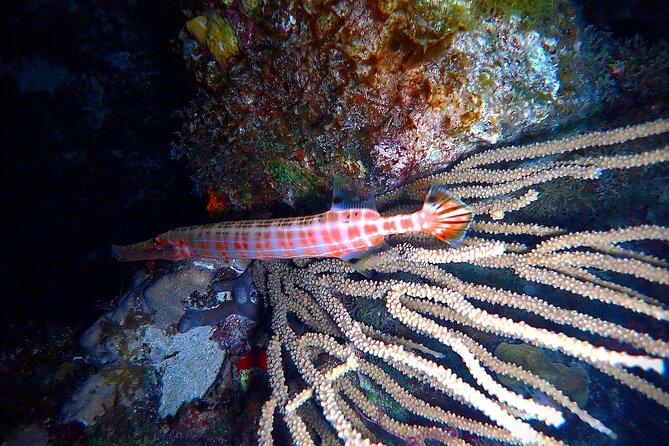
215	32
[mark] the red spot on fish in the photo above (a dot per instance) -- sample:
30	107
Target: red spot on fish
311	236
281	238
377	239
299	155
370	228
336	235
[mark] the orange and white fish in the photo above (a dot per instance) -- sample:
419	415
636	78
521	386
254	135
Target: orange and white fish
350	230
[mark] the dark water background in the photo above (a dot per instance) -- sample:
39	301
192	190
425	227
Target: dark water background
90	93
89	99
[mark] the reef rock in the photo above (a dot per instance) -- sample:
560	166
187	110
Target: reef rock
157	348
187	363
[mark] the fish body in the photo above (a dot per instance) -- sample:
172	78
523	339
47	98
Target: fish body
346	231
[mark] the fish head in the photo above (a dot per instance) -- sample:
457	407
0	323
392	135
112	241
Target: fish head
156	248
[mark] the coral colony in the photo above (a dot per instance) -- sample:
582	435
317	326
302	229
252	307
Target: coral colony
444	299
296	93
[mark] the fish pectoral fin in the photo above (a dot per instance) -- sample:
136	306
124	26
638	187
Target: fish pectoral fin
364	261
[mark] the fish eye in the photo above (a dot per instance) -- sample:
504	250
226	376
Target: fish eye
157	243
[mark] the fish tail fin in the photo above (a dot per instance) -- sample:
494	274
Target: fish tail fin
450	218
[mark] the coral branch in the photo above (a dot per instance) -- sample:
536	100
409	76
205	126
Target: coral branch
421	368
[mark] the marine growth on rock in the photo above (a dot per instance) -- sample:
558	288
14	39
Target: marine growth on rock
297	92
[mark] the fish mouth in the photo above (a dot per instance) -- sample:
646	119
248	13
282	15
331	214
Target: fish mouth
138	251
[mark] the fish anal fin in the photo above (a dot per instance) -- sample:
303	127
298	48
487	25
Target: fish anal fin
364	261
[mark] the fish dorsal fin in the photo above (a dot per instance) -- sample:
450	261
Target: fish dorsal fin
347	196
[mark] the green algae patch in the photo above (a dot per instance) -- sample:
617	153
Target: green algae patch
536	14
250	6
221	38
428	21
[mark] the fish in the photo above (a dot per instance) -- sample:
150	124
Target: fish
351	230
